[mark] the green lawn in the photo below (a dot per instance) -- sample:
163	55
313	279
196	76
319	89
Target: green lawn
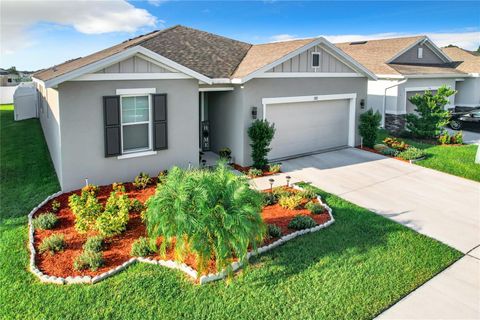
354	269
456	160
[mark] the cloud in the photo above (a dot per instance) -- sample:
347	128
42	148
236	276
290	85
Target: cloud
282	37
157	3
86	16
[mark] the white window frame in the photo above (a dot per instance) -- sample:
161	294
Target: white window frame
319	56
149	122
420	53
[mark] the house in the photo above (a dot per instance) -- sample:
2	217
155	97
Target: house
157	100
404	67
468	96
8	79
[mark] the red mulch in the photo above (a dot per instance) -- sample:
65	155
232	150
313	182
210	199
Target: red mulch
245	170
117	249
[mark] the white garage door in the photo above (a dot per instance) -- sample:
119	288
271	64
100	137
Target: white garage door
306	127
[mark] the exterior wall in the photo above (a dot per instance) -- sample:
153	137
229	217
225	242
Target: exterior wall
411	56
82	131
468	94
136	65
225	113
256	89
303	63
376	92
49	115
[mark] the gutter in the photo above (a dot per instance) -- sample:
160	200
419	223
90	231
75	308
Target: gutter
385	99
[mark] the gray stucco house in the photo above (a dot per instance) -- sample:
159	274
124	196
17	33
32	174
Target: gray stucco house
404	67
157	100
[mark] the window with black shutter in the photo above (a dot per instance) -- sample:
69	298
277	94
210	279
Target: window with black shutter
111	115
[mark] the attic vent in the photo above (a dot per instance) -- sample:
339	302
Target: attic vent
357	42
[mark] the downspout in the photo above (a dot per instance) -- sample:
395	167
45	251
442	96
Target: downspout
385	99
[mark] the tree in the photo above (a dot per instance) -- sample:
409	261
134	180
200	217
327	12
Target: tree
431	115
369	123
12	70
261	133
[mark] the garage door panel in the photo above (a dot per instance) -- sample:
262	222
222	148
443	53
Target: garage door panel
308	127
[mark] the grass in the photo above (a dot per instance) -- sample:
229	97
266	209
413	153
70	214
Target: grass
456	160
354	269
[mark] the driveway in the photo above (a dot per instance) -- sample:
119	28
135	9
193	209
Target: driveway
439	205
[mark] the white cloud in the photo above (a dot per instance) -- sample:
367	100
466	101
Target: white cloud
157	3
85	16
282	37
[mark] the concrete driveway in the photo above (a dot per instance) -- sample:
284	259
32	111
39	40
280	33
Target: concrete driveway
439	205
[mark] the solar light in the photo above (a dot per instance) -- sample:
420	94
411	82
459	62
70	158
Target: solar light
288	180
271	184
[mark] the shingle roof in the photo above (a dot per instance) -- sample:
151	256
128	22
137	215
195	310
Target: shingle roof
263	54
470	62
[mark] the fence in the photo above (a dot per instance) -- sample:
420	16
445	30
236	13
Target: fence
6	94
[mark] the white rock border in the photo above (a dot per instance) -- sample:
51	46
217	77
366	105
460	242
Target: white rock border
237	265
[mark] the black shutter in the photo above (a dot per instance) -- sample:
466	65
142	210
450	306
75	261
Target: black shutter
111	115
160	137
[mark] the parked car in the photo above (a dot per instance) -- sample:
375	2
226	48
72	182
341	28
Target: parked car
460	120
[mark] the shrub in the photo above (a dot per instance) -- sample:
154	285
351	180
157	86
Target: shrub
302	222
136	205
396	144
314	207
261	133
457	137
379	147
215	210
290	202
389	152
308	194
53	243
142	180
444	138
88	260
274	167
94	244
412	153
85	208
118	187
269	198
281	192
45	221
55	206
274	231
225	153
115	218
368	128
431	115
142	247
253	172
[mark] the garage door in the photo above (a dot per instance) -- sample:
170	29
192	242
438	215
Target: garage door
410	106
306	127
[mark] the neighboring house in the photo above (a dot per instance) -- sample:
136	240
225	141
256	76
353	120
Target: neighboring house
156	100
468	95
404	67
8	79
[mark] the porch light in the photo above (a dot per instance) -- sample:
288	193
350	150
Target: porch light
271	184
204	163
254	113
362	104
288	180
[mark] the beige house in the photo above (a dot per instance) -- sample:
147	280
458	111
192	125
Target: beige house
8	79
157	100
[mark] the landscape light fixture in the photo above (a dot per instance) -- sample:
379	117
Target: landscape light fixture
288	180
271	184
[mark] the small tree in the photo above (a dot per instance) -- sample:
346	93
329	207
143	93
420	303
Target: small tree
432	116
261	133
369	123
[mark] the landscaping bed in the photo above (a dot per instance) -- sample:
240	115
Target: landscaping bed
254	173
116	250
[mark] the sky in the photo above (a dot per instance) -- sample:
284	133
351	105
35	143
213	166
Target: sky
36	34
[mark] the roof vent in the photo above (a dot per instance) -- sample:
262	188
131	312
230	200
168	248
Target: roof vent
357	42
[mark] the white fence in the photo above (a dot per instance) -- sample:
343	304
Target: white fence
6	94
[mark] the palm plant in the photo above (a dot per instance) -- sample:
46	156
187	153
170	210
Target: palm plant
212	214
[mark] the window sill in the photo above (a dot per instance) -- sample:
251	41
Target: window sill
137	154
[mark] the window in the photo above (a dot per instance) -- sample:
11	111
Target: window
316	59
136	123
420	53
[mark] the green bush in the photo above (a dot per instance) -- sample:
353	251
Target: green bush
444	138
162	175
379	147
274	167
88	260
269	199
115	218
431	115
368	128
281	192
302	222
396	144
55	206
85	208
457	137
215	211
53	243
45	221
389	152
143	247
291	202
225	153
314	207
412	153
308	194
137	206
142	180
118	187
274	231
94	243
253	172
261	133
